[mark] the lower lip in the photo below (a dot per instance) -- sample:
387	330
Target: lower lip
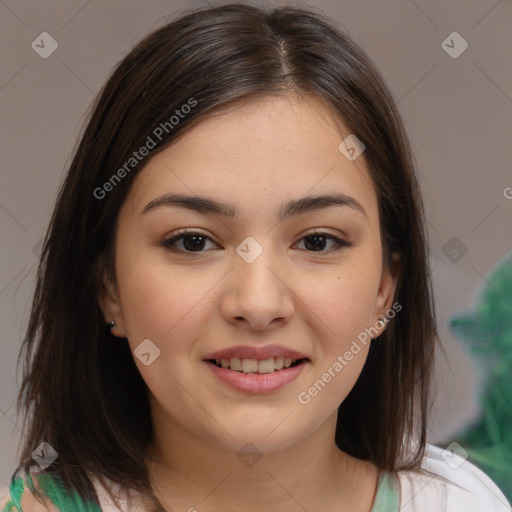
257	382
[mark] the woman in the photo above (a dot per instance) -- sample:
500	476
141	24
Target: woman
233	309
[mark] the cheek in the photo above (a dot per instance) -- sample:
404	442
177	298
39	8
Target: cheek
169	307
343	304
162	302
343	309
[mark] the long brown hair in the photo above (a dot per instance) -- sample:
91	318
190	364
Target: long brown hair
81	390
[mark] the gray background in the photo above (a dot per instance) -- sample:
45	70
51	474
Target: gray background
457	112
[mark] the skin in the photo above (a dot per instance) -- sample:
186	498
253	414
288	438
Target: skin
255	155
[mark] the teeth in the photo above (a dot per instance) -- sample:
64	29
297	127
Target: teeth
249	365
255	365
235	364
266	366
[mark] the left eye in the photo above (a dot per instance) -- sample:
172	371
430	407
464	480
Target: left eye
318	239
194	242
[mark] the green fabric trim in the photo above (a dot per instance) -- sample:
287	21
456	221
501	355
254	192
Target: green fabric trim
387	498
16	489
53	487
388	494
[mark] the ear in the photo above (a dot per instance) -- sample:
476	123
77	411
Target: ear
387	288
108	300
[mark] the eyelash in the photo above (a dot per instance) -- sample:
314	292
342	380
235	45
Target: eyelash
168	243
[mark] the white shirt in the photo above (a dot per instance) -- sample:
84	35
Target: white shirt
469	489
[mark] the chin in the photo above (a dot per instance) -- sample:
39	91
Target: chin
263	439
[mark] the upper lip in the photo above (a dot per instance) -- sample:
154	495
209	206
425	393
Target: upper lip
251	352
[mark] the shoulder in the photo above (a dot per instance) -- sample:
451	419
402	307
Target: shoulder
447	482
20	498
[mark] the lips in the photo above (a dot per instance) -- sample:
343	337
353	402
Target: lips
256	382
259	353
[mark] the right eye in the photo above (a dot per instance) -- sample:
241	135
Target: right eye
192	241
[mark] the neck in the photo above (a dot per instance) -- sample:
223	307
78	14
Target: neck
196	473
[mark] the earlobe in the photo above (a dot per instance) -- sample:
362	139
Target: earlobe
110	306
387	288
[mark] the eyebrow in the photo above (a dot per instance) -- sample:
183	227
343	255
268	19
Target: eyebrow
209	206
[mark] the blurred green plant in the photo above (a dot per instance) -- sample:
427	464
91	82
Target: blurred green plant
487	331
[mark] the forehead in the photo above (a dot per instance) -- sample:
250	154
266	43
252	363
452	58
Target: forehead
258	153
278	127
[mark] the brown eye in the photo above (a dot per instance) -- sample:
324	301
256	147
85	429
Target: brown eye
315	242
192	241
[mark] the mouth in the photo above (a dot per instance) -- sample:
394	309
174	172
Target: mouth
257	376
257	366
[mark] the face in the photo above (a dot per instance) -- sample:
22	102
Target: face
250	276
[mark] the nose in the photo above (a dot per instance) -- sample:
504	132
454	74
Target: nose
257	293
